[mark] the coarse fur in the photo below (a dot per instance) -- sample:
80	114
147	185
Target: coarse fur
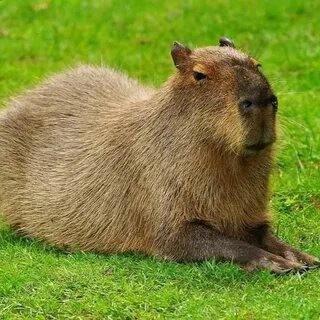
92	160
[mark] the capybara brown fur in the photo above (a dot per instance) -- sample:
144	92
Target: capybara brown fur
92	160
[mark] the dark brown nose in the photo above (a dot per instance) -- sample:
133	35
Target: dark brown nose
246	105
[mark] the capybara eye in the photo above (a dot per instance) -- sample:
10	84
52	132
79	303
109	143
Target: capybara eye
199	76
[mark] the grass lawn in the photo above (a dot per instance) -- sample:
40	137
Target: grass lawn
38	38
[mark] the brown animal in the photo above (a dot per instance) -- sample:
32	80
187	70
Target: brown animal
92	160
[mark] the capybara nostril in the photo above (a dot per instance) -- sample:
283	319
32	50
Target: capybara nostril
246	105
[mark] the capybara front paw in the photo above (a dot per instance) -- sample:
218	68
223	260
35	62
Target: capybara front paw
275	264
302	257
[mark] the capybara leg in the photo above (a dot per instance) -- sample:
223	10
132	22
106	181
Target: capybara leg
263	237
274	245
196	241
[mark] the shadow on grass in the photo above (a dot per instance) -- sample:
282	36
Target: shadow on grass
10	237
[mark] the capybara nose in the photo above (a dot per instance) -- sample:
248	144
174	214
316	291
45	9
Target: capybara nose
246	105
274	103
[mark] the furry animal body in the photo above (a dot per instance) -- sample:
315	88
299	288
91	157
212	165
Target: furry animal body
93	160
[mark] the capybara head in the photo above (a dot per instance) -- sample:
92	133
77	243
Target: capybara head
229	98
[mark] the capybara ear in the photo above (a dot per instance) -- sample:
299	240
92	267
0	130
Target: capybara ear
180	55
226	42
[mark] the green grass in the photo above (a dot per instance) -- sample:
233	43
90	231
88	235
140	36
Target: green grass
38	38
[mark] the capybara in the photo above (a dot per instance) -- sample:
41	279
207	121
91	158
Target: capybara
92	160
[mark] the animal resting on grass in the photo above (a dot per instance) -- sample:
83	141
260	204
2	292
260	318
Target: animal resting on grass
92	160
